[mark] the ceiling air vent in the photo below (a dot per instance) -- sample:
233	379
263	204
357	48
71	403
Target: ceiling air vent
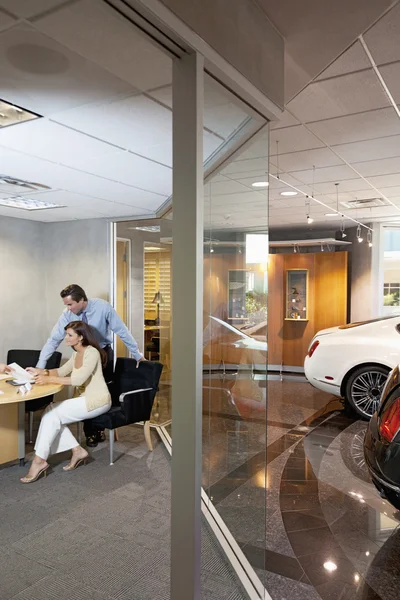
365	203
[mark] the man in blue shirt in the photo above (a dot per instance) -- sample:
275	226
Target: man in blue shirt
104	321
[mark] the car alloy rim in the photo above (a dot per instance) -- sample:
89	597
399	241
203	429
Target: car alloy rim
366	391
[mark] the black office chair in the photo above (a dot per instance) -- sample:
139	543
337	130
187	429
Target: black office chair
29	358
132	392
153	347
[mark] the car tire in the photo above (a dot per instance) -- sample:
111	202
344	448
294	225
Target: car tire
364	388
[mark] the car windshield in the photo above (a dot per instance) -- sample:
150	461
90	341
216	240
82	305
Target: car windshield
359	323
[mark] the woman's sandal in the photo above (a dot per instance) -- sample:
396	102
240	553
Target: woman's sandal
36	477
70	467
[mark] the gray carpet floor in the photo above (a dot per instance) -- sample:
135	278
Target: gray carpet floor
100	532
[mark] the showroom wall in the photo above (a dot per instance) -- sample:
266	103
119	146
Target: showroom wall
361	282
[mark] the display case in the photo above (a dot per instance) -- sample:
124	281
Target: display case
296	295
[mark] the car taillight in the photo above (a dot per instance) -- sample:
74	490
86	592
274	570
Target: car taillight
313	348
390	421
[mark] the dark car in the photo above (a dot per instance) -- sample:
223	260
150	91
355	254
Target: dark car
382	442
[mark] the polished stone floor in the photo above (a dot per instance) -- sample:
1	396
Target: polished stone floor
310	523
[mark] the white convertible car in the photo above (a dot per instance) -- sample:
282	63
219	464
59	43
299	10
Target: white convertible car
353	361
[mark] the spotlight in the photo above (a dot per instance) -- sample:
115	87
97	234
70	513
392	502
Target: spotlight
359	238
344	235
211	250
369	238
310	220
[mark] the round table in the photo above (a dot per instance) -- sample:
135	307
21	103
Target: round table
12	396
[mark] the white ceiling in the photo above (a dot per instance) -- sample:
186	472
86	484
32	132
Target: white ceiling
104	144
344	125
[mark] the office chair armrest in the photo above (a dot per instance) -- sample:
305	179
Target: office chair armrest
122	396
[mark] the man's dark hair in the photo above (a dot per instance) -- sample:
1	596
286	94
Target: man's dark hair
75	291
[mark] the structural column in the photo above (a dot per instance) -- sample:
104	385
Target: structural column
187	325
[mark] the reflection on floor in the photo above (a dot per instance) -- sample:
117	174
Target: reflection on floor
311	523
100	532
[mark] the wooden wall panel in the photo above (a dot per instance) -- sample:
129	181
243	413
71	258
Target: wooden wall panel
288	341
330	289
275	308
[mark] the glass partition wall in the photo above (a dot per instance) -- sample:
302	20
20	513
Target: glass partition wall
235	348
234	361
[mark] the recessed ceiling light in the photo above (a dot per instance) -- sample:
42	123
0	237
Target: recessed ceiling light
331	214
28	203
291	193
260	184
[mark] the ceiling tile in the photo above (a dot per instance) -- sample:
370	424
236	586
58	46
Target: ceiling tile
391	192
386	166
391	76
78	201
136	123
370	150
340	96
293	139
224	187
130	169
354	128
326	174
300	161
258	149
351	185
96	32
246	166
54	142
56	176
383	181
42	76
383	38
354	59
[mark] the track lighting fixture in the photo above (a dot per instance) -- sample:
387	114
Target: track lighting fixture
310	220
344	234
322	248
359	238
369	238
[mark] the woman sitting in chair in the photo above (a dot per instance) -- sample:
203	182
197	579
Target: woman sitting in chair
91	399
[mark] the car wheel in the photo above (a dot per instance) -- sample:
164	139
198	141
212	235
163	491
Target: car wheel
364	389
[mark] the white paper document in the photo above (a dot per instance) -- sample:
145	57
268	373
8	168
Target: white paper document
19	374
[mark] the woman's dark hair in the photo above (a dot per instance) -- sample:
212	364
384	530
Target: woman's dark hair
88	336
75	291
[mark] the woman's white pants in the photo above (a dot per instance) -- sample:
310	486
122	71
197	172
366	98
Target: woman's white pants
54	436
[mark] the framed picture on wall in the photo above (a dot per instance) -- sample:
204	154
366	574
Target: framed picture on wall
296	295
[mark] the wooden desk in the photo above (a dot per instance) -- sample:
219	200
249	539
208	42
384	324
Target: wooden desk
12	418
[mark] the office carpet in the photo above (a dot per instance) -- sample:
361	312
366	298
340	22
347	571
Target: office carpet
100	532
